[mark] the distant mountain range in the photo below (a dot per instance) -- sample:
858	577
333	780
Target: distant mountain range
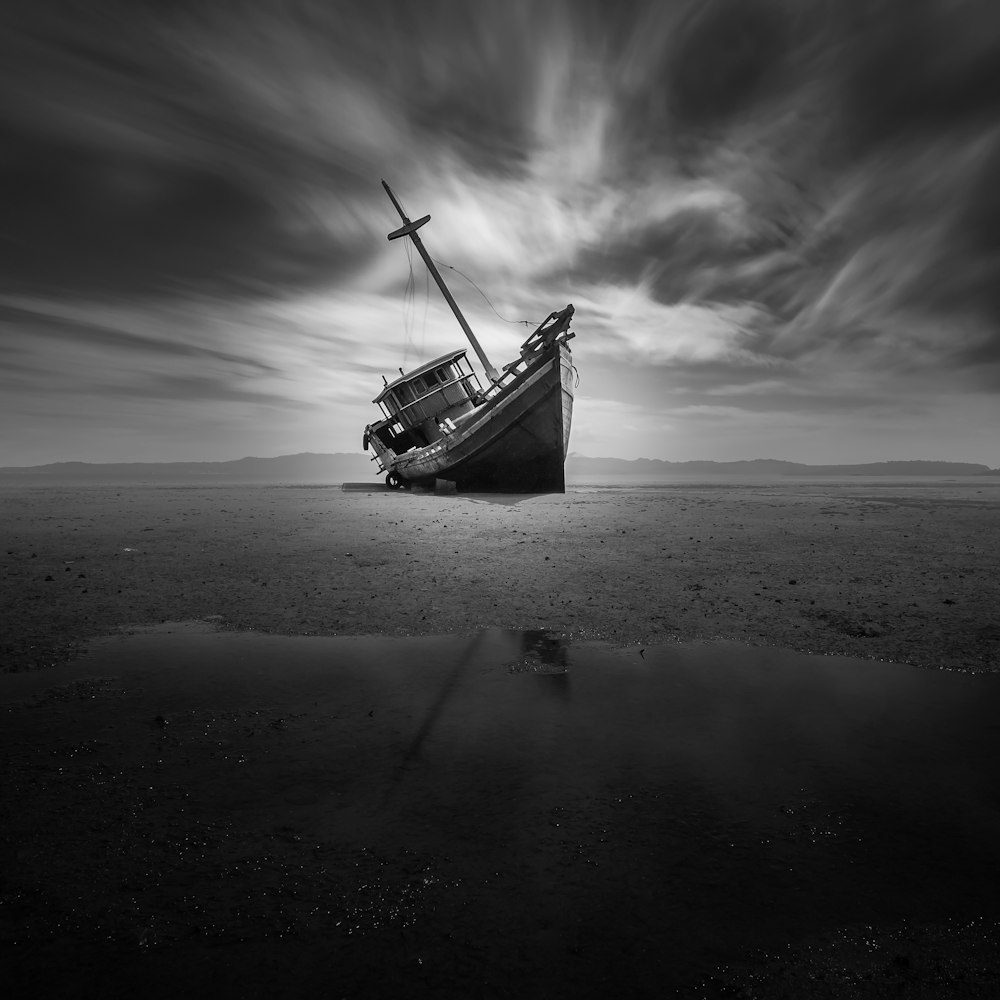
339	468
304	468
655	467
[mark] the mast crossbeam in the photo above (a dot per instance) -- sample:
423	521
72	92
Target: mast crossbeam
410	229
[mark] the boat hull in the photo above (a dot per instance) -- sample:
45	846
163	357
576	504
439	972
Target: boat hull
516	443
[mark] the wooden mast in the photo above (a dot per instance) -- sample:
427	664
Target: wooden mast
410	229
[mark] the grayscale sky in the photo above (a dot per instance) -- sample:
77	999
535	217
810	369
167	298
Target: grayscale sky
779	220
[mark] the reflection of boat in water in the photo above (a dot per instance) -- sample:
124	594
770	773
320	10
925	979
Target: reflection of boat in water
438	423
545	655
541	652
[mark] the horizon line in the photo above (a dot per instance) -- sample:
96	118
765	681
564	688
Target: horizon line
571	456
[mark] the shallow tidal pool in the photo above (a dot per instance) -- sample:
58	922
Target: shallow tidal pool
498	814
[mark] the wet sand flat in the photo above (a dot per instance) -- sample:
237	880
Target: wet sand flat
887	570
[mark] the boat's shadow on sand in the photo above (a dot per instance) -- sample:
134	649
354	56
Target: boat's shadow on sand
504	499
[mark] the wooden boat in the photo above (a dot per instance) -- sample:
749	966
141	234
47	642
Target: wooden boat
439	426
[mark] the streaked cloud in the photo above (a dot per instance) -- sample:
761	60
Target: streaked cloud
790	206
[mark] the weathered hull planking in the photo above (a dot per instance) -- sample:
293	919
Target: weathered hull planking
516	443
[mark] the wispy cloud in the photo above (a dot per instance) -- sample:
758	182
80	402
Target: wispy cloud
761	200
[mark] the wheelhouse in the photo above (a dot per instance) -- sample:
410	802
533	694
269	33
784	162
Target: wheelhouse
422	406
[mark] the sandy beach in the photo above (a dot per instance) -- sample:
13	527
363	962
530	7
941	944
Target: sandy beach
904	572
299	741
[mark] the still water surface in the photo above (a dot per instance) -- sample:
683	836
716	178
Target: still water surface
517	815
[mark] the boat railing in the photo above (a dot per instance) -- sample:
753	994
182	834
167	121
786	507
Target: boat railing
554	327
541	339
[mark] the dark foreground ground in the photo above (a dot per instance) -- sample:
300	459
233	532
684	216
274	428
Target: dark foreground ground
203	810
191	813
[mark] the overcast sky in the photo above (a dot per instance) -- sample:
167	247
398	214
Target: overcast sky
779	220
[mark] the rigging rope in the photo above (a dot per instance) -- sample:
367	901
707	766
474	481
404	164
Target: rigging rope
427	302
519	322
408	296
409	307
410	312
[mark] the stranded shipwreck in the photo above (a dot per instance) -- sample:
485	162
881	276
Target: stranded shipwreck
439	423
